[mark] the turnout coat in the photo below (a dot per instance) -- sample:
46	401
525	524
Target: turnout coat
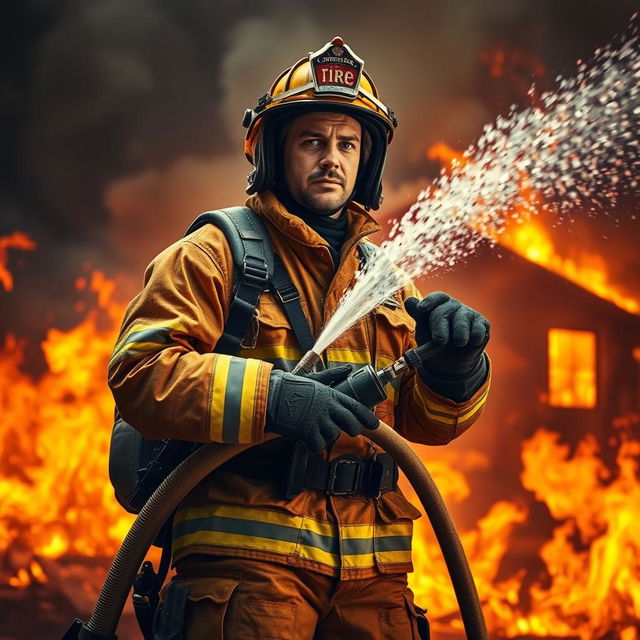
168	383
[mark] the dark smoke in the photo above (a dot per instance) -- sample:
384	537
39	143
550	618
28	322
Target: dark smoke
121	120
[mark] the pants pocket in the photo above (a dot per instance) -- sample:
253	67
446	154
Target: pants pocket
195	609
420	624
265	620
395	624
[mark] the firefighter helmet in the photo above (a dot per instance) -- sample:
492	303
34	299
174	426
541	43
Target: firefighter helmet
330	79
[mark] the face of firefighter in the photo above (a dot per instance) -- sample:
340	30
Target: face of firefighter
321	159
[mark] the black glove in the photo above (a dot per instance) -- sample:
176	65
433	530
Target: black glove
307	409
460	369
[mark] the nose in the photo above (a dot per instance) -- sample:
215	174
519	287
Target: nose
330	158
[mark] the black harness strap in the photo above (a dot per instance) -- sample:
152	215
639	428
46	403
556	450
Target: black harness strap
253	263
290	299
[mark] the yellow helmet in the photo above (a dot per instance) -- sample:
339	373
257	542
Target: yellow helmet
330	79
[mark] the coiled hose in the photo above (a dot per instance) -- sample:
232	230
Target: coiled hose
203	461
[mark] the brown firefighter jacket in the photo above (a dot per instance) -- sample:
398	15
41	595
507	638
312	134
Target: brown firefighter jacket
168	384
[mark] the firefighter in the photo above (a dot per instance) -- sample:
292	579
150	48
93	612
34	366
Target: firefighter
330	560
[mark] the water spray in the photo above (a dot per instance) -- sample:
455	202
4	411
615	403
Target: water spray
575	148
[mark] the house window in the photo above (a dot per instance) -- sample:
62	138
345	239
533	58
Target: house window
572	368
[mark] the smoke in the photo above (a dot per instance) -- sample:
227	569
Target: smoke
123	118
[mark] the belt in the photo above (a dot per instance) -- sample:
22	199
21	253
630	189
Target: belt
297	469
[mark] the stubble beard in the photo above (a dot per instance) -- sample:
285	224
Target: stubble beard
321	204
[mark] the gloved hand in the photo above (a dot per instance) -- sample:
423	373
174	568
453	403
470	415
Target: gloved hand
460	369
447	321
307	409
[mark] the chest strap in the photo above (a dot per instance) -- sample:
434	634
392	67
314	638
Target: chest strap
290	299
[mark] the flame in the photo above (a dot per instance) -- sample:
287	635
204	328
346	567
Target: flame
527	236
588	270
17	240
591	583
55	494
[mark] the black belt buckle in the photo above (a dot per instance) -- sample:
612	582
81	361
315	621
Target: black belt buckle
344	476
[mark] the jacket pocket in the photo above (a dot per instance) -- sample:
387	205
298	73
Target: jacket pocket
393	507
195	609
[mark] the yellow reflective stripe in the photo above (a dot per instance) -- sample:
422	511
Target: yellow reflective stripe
475	408
313	553
220	375
249	385
452	417
394	529
257	515
122	345
359	561
233	540
292	524
360	356
428	405
393	556
272	352
350	531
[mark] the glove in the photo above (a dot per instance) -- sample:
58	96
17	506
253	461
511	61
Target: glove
307	409
460	369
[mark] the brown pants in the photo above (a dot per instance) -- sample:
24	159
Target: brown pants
242	599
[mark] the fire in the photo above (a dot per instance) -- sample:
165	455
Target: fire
57	500
54	490
588	270
527	236
591	583
17	240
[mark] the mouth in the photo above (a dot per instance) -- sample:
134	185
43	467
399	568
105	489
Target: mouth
327	181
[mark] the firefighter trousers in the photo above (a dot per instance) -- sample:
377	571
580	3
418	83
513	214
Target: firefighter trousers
213	598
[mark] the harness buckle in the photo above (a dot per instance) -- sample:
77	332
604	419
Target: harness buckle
288	293
255	272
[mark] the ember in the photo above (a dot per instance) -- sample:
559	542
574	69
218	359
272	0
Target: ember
17	240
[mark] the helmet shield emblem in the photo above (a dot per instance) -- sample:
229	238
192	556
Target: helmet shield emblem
336	70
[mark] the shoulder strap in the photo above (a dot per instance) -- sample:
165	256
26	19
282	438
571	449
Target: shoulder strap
253	265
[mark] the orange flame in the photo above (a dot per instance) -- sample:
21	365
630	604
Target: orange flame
54	490
526	236
591	584
17	240
57	500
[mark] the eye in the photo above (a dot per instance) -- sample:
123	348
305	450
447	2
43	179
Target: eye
348	145
311	142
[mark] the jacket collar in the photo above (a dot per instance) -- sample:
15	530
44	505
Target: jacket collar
267	205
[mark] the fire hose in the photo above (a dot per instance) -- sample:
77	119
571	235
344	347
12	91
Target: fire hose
175	487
